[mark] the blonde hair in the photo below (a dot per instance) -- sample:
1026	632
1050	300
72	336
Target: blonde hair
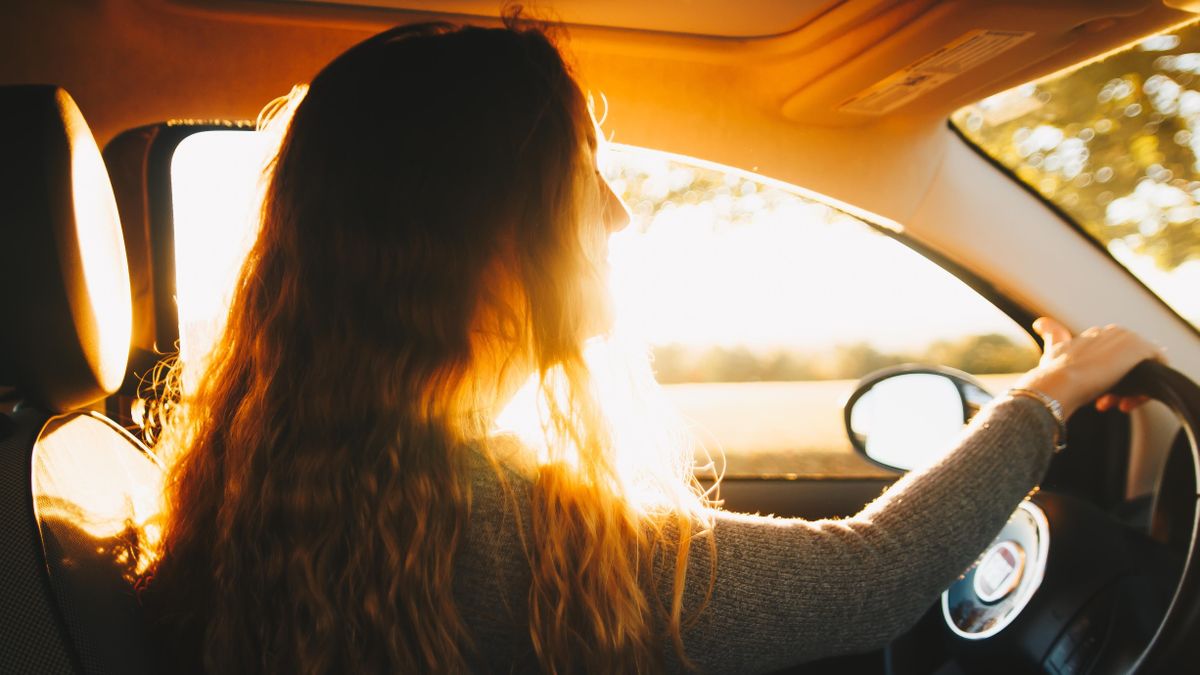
422	242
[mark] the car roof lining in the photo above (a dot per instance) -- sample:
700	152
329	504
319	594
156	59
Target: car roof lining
707	18
749	103
804	71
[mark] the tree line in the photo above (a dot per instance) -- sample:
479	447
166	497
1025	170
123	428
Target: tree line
977	354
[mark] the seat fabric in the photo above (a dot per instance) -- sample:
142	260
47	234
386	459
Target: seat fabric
30	626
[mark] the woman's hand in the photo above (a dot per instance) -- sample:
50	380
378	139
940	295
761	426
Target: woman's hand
1075	370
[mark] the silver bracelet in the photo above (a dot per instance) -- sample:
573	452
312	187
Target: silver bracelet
1056	411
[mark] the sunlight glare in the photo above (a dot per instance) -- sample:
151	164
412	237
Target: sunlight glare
654	455
73	481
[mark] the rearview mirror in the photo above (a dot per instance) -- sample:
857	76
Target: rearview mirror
908	417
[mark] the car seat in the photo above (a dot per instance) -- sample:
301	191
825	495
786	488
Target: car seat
78	494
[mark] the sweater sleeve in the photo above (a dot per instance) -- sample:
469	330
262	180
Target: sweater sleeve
790	590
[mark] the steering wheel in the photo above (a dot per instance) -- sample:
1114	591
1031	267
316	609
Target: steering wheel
1068	588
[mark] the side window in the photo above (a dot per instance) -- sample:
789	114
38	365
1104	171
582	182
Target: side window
214	195
761	307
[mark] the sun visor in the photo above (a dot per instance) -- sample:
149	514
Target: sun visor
926	59
64	339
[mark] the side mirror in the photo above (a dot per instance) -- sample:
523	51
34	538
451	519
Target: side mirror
907	417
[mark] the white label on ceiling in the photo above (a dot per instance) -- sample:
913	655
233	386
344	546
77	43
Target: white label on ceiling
933	70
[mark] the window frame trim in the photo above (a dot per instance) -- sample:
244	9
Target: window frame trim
1069	221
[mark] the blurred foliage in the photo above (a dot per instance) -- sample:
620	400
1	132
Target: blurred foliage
1113	143
977	354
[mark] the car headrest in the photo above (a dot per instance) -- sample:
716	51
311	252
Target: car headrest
64	281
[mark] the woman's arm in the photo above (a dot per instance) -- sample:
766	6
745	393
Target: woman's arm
790	590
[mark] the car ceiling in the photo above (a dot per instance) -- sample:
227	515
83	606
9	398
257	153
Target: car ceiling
715	18
781	103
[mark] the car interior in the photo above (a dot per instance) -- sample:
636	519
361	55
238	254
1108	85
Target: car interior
858	111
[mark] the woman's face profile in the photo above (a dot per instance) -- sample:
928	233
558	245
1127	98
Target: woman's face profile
607	216
615	214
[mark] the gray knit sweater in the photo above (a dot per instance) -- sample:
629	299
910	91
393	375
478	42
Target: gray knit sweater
790	590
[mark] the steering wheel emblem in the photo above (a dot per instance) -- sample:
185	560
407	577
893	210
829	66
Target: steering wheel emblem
999	571
995	590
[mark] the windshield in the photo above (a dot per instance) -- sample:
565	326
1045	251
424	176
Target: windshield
1115	145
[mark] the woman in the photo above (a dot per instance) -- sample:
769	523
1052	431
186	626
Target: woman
433	233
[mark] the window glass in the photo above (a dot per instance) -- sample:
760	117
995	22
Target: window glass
215	189
1115	144
761	306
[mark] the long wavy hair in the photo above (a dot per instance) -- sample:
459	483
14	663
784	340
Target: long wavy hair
426	240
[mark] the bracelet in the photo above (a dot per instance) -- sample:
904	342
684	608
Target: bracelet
1056	411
